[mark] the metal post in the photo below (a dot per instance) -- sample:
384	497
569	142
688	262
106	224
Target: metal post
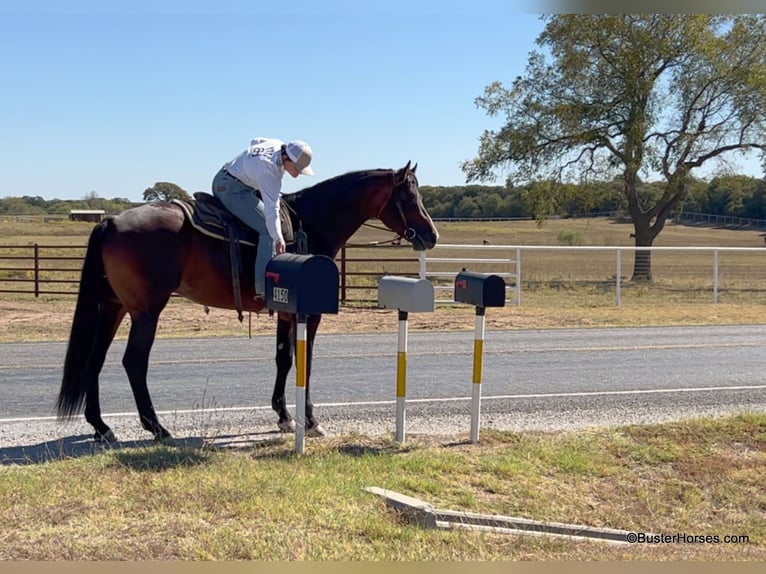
37	270
715	276
300	385
518	277
619	277
401	377
343	277
478	364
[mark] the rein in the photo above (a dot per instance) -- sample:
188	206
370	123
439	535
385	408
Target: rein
393	241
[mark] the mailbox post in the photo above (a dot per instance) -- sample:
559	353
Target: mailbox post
482	291
302	285
407	295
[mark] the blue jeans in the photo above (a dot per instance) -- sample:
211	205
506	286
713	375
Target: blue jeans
242	202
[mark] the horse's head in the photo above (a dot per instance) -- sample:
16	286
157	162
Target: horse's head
404	212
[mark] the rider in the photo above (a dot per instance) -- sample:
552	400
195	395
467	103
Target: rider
261	167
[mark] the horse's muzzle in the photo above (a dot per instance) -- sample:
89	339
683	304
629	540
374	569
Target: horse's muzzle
423	242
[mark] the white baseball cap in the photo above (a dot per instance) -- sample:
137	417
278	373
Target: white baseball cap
300	153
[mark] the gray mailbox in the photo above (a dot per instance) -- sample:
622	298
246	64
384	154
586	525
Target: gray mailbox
406	294
302	284
480	289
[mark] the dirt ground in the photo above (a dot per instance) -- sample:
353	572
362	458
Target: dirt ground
50	319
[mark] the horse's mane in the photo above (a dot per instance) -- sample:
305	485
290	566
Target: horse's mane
329	190
333	209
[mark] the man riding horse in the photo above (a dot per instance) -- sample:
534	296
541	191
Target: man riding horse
249	186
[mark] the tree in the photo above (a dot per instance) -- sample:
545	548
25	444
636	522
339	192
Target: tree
727	194
165	191
630	95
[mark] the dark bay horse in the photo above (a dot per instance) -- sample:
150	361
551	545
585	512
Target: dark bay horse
136	260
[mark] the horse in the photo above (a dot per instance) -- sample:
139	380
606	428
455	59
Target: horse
135	261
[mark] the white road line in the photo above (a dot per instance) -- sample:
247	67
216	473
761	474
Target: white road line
433	400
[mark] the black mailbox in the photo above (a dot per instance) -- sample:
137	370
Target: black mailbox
302	284
480	289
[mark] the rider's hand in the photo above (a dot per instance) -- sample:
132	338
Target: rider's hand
280	247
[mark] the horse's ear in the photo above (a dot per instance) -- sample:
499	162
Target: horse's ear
407	167
414	168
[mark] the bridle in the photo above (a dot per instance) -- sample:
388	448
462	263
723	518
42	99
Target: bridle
409	232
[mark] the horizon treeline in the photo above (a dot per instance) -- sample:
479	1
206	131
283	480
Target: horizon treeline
730	195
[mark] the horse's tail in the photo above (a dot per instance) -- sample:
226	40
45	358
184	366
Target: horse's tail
82	336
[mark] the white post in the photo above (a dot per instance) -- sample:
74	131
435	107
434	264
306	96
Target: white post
715	276
518	277
401	377
619	276
478	364
422	259
300	386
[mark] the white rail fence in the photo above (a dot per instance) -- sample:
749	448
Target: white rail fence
506	261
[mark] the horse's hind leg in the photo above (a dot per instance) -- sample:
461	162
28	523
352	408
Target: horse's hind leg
136	363
284	360
110	317
285	348
313	428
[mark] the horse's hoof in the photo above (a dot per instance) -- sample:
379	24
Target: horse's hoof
162	436
165	440
286	426
316	431
105	438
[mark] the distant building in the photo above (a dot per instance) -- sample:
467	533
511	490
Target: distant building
94	215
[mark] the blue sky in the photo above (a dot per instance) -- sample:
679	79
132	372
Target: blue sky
112	100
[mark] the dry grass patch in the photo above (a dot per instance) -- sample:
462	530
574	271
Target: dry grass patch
49	319
694	477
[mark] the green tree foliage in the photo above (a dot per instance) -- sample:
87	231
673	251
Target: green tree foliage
27	205
727	195
624	95
734	195
165	191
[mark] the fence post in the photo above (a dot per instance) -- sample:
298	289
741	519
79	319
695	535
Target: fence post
715	276
518	277
619	276
37	270
422	259
343	274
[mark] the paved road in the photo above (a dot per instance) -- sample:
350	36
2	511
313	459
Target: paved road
532	379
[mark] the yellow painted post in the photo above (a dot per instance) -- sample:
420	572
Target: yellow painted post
478	365
401	377
300	385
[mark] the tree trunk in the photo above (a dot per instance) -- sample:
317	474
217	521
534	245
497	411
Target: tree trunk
642	266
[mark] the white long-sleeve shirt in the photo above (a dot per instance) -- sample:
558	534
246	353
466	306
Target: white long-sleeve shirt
260	167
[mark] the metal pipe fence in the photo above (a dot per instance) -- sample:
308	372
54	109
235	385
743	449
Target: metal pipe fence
701	274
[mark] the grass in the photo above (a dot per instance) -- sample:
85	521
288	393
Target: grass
162	503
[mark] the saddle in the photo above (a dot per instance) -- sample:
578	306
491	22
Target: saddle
209	216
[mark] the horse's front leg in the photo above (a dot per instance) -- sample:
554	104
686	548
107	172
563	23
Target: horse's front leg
313	428
284	360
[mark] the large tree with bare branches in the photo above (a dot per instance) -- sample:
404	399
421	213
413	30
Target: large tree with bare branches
629	95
